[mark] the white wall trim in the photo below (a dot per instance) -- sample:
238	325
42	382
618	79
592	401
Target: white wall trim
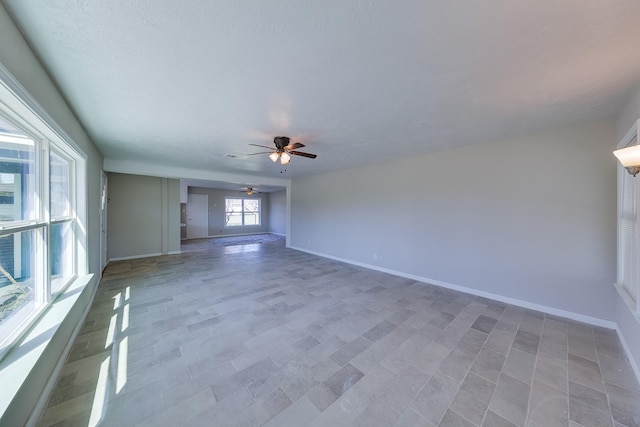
233	235
628	300
632	361
169	171
278	234
520	303
174	252
11	84
124	258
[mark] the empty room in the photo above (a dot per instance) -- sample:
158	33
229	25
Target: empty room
281	213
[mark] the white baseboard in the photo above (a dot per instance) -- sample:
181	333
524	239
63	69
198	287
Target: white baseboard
124	258
513	301
278	234
234	235
174	252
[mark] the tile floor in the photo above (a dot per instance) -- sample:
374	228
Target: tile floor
262	335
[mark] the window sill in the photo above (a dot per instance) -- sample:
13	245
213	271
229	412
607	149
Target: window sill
27	360
631	304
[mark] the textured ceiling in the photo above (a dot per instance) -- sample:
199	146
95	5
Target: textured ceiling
185	83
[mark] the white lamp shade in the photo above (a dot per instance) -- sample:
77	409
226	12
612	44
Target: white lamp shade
284	158
274	156
629	156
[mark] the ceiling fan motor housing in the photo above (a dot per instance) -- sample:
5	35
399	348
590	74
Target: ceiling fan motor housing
281	142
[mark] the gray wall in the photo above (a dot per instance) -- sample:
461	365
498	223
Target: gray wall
216	211
628	324
16	56
172	217
533	218
278	212
143	216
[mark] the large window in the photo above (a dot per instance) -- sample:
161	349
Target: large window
241	212
37	226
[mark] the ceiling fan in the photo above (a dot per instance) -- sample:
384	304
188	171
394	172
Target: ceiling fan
250	190
283	150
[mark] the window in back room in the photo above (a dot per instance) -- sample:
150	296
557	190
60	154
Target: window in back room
242	212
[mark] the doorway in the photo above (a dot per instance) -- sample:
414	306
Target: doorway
197	216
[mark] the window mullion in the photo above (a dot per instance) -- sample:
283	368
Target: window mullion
243	212
43	277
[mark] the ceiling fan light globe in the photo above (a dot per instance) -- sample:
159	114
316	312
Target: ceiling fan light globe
284	158
274	156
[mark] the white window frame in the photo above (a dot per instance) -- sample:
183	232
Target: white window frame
259	224
70	218
628	274
46	138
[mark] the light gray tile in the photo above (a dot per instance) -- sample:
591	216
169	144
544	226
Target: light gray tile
452	419
548	406
273	403
321	396
457	364
380	330
306	343
442	319
585	372
372	356
473	398
494	420
378	413
588	407
552	372
519	365
553	346
625	405
609	345
584	347
488	365
299	413
432	402
411	418
194	404
259	350
532	322
351	350
510	399
333	387
472	342
404	388
429	358
500	341
526	341
618	371
484	324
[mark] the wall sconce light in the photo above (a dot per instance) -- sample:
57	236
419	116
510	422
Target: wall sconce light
630	158
249	191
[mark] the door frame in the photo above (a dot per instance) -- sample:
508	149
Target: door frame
202	197
104	201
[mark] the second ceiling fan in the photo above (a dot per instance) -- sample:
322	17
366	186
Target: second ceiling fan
283	150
